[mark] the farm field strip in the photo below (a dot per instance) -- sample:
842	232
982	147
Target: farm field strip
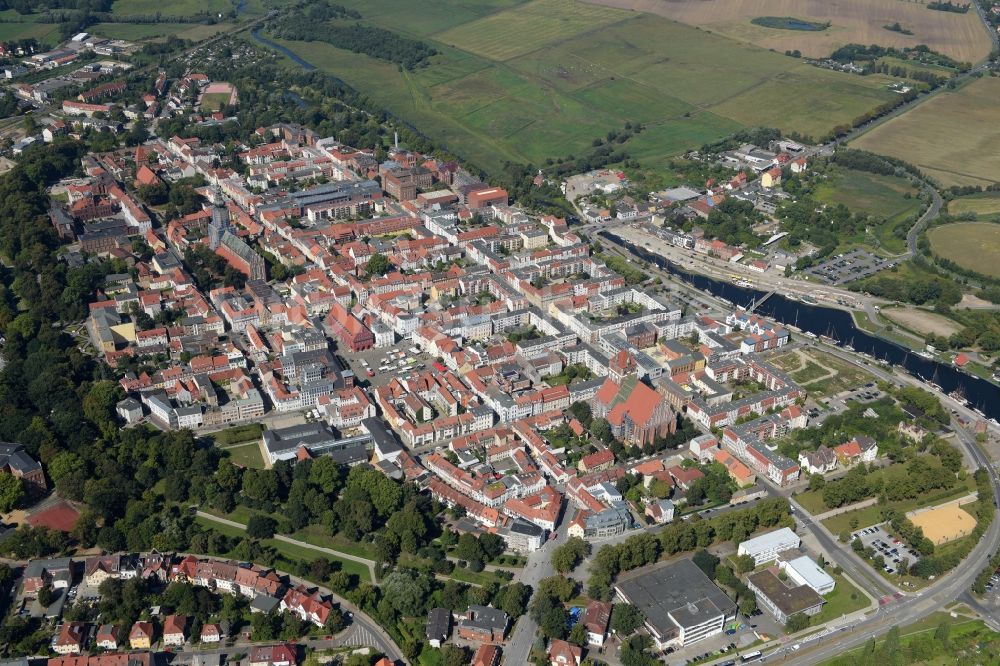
971	245
960	36
952	137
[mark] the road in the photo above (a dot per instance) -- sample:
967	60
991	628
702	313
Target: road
940	593
538	567
902	609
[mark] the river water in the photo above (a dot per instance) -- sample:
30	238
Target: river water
839	325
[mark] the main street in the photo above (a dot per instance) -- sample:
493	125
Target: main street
537	568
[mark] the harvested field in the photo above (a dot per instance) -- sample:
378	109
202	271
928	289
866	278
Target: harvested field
921	321
960	36
986	204
952	137
971	245
944	523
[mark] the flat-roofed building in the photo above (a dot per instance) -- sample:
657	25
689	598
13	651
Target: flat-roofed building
804	571
766	547
681	605
782	600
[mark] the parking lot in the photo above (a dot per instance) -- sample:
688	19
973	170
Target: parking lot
379	365
889	547
847	267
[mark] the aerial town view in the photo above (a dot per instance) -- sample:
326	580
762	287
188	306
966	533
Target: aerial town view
482	332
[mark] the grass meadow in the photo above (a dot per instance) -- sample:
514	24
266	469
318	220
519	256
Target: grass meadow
971	245
542	79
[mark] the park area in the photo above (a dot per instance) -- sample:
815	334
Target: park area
820	373
960	36
952	137
890	198
974	246
942	524
525	82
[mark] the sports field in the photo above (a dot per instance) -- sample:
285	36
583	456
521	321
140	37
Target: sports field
543	79
971	245
960	36
944	523
986	204
952	137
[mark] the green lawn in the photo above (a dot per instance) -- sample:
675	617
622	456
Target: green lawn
528	81
289	552
848	375
871	515
246	455
238	434
214	101
810	372
811	501
45	33
315	535
845	599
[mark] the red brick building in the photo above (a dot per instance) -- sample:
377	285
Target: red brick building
348	329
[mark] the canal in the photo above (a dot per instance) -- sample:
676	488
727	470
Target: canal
838	325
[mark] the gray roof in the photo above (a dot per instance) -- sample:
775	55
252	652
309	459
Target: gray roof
264	603
486	618
678	594
14	456
438	624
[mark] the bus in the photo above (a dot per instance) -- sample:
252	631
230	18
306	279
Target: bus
751	656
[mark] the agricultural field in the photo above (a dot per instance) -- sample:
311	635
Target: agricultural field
543	79
922	322
172	8
960	36
45	33
952	137
985	205
140	32
971	245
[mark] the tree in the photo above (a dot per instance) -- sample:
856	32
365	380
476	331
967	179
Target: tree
706	562
601	429
578	635
625	619
744	563
260	526
455	655
378	264
512	599
407	592
748	605
46	596
796	622
11	492
566	557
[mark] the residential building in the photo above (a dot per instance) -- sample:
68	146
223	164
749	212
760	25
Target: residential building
597	620
484	624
